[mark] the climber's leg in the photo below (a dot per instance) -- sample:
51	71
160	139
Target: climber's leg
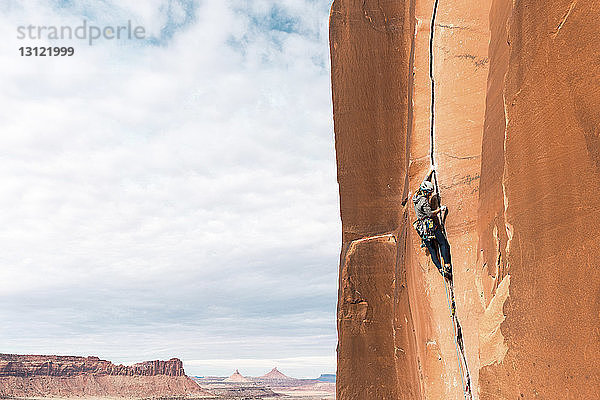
445	250
433	251
444	246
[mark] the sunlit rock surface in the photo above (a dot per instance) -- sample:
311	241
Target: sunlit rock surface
515	140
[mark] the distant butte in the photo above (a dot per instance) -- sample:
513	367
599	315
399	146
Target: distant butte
67	376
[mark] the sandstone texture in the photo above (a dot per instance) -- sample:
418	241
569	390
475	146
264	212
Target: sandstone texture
370	51
548	63
503	98
32	375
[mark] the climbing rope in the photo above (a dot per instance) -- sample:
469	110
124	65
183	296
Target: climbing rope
452	310
456	344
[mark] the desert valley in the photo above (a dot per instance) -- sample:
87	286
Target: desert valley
66	377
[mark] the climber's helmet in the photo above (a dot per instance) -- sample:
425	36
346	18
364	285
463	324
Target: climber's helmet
426	187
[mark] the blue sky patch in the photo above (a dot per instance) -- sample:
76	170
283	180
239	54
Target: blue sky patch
175	22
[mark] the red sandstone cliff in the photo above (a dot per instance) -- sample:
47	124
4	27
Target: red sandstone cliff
30	375
538	211
512	91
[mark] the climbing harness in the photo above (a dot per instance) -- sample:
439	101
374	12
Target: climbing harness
425	228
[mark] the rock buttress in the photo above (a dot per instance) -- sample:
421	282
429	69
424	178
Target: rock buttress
370	52
539	216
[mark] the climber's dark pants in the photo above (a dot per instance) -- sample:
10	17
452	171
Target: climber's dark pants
441	242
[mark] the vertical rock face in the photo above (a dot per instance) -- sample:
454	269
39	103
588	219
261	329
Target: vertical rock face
370	44
512	91
370	50
547	57
451	70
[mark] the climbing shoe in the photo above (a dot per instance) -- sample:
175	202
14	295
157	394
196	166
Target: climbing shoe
447	273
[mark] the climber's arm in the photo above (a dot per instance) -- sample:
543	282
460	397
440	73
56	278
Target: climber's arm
439	210
426	207
429	174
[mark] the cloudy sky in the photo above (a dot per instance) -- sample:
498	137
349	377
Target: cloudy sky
173	196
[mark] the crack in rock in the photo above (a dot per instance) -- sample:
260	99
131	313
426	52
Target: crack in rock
564	19
458	328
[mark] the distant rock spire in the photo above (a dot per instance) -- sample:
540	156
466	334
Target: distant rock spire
237	377
275	375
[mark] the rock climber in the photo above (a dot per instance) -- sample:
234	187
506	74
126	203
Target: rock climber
429	228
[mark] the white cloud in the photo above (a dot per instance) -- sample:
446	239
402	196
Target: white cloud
172	185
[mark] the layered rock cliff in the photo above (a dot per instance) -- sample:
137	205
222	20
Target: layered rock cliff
31	375
31	365
503	98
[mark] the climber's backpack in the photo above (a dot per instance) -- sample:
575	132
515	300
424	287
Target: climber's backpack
425	228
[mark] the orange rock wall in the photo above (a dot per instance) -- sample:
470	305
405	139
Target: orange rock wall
370	50
545	177
460	72
396	337
517	149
